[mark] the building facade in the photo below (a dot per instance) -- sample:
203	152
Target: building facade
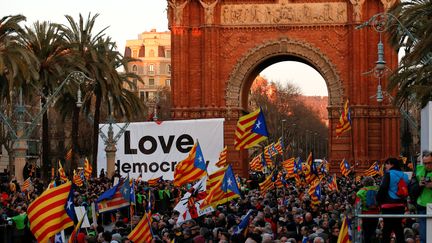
153	50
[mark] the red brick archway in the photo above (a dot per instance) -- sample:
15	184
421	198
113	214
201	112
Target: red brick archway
220	46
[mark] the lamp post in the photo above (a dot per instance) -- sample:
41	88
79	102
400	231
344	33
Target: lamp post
21	133
111	140
380	23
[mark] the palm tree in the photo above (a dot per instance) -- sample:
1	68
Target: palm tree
45	41
17	65
81	41
412	30
109	83
101	61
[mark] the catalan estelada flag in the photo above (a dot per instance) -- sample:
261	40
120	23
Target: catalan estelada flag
224	191
345	234
115	198
267	184
345	167
332	184
372	170
223	158
87	169
279	146
251	130
192	168
47	213
75	232
344	120
155	181
142	232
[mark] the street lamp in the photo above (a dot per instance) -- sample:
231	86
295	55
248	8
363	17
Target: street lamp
380	23
20	134
110	141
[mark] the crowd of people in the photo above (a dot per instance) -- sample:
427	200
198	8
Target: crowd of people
285	214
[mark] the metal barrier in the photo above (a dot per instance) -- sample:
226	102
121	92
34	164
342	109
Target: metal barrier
358	216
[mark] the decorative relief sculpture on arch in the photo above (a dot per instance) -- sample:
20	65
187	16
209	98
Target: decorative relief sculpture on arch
208	11
357	9
284	13
177	8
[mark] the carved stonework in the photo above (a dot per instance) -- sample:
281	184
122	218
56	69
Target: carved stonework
357	9
284	13
282	47
208	10
339	43
177	10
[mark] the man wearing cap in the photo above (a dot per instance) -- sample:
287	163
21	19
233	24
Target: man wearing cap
424	177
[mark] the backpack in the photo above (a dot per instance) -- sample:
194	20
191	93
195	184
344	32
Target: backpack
370	201
402	188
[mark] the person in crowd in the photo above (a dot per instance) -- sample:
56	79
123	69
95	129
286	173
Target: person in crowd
424	177
366	196
389	200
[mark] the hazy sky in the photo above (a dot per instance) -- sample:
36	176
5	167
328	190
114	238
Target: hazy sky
127	18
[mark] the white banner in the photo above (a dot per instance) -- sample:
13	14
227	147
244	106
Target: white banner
155	149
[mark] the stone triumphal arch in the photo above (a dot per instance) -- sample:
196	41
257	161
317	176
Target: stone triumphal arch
220	46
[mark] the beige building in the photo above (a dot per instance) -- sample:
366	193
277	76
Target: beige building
153	49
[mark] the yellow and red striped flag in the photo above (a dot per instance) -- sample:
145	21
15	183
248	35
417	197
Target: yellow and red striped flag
192	168
373	170
345	234
47	213
345	167
214	178
224	191
333	184
344	120
251	130
155	181
77	179
62	173
87	169
267	184
256	163
222	158
142	232
68	156
75	232
26	185
289	166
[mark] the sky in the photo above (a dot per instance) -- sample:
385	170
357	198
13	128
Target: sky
126	20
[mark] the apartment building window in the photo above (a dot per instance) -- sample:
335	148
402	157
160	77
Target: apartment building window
142	96
151	82
168	82
151	69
